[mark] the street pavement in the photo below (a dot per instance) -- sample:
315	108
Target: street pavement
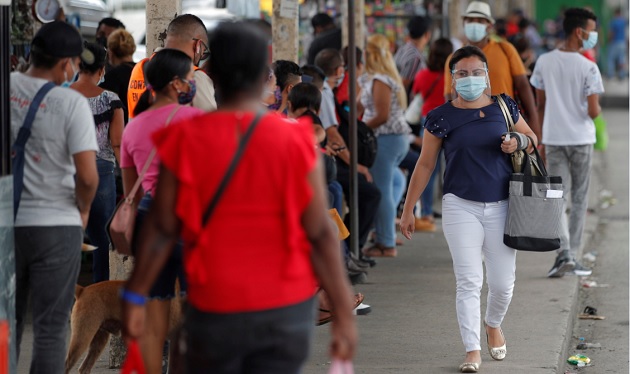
413	326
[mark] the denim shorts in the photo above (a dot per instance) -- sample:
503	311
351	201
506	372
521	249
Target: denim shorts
164	286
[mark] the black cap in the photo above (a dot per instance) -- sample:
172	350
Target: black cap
59	39
321	20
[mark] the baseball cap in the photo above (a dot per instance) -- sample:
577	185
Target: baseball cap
59	39
478	9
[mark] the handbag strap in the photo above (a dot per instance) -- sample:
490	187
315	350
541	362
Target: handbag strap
20	142
136	186
430	91
230	171
509	122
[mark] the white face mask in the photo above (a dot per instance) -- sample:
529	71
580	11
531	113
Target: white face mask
75	74
101	80
475	32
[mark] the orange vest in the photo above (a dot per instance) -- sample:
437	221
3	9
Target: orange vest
136	86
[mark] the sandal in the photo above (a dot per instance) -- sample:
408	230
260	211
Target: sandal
378	251
325	314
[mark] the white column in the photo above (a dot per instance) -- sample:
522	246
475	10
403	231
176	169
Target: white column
159	14
359	23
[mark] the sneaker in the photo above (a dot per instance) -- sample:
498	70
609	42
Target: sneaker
581	270
423	224
362	309
561	267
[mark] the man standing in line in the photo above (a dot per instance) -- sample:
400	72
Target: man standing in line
409	59
327	35
568	88
58	185
188	34
505	67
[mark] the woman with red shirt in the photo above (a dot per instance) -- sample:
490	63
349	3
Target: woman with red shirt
253	267
429	83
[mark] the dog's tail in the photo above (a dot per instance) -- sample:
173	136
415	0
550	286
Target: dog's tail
78	290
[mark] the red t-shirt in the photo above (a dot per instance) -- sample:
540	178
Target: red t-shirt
424	81
253	254
342	93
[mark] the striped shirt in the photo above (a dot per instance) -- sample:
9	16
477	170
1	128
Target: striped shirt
409	61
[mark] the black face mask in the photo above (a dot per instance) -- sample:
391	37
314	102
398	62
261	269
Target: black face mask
102	41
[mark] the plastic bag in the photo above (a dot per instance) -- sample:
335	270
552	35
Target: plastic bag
341	367
601	134
133	362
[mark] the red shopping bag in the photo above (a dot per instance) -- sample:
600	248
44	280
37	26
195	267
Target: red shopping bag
133	362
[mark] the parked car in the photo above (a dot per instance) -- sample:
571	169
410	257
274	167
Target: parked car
86	14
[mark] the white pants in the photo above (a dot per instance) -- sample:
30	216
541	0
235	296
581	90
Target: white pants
474	233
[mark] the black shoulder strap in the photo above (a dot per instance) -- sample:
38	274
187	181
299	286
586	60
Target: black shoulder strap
230	171
20	142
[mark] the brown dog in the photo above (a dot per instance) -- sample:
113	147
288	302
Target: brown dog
95	315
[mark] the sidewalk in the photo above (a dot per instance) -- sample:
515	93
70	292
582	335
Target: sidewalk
413	326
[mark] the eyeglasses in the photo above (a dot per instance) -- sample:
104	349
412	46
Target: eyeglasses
206	51
465	73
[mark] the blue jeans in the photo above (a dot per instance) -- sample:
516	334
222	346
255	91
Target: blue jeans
617	59
336	193
263	342
47	264
101	211
390	181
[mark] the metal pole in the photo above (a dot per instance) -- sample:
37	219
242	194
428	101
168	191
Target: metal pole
354	180
5	110
7	248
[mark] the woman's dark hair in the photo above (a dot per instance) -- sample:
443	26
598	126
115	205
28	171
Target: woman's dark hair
305	95
465	52
576	17
159	71
238	61
100	58
440	50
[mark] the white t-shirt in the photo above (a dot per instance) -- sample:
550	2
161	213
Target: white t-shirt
567	78
327	112
63	126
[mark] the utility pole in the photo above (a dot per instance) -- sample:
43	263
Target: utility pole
8	355
284	28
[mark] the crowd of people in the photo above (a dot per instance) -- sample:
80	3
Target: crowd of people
241	163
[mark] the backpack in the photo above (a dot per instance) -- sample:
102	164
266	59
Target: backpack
366	140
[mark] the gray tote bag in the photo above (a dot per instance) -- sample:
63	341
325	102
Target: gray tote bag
534	210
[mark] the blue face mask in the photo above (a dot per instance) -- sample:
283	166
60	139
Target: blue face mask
470	88
591	41
187	97
475	32
75	74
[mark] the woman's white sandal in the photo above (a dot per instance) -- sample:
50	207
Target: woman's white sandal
497	353
469	367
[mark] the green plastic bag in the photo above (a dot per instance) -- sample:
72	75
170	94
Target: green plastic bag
601	134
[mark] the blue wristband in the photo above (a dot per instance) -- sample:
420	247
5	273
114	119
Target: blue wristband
132	297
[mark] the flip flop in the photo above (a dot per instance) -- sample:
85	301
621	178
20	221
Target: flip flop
326	315
378	251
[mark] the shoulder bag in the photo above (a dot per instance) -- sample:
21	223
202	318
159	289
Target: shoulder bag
535	209
519	157
18	149
120	226
413	114
366	140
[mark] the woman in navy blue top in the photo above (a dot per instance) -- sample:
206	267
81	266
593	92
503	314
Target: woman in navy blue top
473	133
